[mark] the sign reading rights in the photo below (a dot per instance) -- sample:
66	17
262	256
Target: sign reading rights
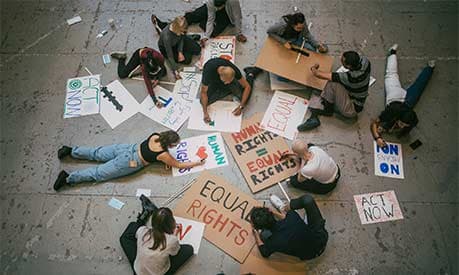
258	152
389	160
378	207
222	46
83	96
224	209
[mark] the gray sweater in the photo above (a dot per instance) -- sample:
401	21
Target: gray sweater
233	9
168	40
277	32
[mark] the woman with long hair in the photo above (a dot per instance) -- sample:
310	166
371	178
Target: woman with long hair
154	250
121	159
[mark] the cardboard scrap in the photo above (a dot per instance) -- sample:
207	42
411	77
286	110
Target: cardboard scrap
276	264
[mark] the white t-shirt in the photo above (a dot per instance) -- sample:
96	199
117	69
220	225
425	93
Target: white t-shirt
321	167
153	262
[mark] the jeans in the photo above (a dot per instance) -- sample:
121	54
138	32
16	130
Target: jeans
393	87
313	186
125	69
116	160
199	16
128	242
190	48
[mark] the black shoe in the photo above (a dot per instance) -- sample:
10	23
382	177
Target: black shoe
148	208
252	71
118	55
195	37
61	180
322	112
309	124
64	151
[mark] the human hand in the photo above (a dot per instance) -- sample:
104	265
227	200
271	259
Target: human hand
287	45
241	38
237	111
315	68
155	83
177	75
381	142
203	42
159	104
180	57
207	118
322	48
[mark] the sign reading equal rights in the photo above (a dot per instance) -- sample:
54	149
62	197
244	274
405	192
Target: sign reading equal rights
224	209
258	152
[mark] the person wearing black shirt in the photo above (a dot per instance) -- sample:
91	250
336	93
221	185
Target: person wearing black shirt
286	232
221	78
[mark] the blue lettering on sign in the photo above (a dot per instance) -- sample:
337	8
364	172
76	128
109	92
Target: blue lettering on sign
391	149
165	101
394	169
182	155
219	156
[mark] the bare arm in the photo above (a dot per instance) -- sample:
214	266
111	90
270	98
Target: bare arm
246	92
321	74
376	134
169	160
204	102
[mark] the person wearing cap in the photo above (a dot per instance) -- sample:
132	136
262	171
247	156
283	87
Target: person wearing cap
398	116
176	46
284	231
319	173
213	17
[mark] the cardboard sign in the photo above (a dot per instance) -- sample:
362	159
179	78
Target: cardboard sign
221	46
224	209
83	96
389	160
277	59
257	152
117	104
221	114
189	232
187	88
279	85
276	264
378	207
209	147
174	112
285	112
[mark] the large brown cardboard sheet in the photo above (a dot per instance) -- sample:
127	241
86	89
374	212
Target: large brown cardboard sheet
276	264
224	209
277	59
257	153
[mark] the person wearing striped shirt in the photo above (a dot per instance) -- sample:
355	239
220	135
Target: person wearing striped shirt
345	91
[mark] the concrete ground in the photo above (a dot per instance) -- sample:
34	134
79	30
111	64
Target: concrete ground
76	232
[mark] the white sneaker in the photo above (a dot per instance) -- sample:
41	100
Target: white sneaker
394	47
431	63
277	202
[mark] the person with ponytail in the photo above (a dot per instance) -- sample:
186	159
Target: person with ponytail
145	61
293	30
155	250
121	159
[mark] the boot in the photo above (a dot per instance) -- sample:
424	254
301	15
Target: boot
148	208
328	109
252	71
309	124
64	151
61	180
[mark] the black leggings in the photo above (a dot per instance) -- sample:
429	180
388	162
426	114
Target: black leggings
129	244
199	16
125	69
313	186
190	48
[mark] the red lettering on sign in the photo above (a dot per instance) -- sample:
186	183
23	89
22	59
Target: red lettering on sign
179	230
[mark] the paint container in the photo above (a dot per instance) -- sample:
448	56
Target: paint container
111	22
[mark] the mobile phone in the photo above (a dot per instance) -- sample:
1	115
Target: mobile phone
415	144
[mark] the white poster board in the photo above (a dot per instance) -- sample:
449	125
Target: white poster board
118	104
378	207
187	88
208	146
221	46
285	112
189	232
174	112
343	70
389	160
221	114
83	96
279	85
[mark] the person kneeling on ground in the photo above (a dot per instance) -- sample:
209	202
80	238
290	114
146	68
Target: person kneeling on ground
148	62
347	91
213	17
399	116
221	78
154	250
319	172
176	46
286	232
121	159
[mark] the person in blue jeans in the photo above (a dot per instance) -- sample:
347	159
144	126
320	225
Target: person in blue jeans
121	159
399	117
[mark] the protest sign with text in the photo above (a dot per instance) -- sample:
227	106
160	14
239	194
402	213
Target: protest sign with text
221	114
189	232
221	46
378	207
389	160
83	96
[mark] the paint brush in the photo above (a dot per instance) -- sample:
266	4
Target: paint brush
299	54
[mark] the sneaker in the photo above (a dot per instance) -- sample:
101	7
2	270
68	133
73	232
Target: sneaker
64	151
137	71
393	49
309	124
277	202
322	112
61	180
431	63
119	55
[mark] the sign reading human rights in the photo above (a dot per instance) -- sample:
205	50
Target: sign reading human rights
83	96
389	160
258	154
378	207
221	46
285	112
224	209
209	147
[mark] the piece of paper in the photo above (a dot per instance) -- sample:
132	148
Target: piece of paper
187	88
276	264
257	152
83	96
74	20
117	104
189	69
224	209
145	192
209	147
189	232
277	59
174	112
115	203
279	85
285	112
106	59
343	70
389	160
221	46
378	207
221	114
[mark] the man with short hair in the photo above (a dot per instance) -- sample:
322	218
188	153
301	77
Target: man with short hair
221	78
345	91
